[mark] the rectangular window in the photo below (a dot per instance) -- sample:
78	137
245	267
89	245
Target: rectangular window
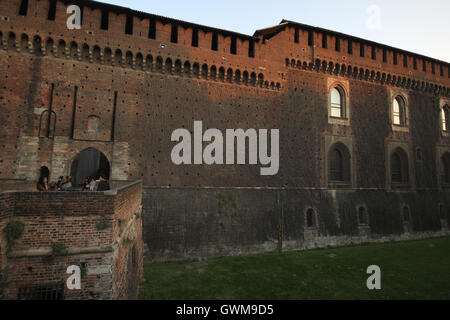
251	49
174	33
361	49
424	66
23	8
384	55
415	63
46	292
233	45
52	10
338	44
152	29
405	61
395	58
374	53
432	68
215	42
194	38
441	70
297	36
350	47
310	38
324	40
105	20
129	25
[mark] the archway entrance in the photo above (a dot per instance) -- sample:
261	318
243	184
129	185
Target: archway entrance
89	163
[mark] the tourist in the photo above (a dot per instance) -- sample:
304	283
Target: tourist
60	183
52	186
103	185
42	184
92	184
67	184
85	185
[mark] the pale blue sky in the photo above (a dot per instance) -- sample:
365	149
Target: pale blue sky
415	25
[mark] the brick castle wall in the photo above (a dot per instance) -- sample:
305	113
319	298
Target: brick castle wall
101	231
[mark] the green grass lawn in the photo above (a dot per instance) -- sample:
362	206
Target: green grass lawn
409	270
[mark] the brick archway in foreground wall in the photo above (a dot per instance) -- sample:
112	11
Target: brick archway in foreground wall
90	163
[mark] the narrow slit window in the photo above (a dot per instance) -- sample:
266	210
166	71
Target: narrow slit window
350	47
194	38
405	61
361	50
23	8
152	29
215	42
374	53
310	38
395	58
105	20
129	25
174	33
324	41
52	10
384	55
233	46
296	36
251	49
338	44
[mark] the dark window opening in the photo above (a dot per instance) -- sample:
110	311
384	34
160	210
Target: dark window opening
361	50
419	154
310	38
174	33
415	63
90	163
441	70
233	46
362	216
52	10
310	218
336	166
129	25
399	167
338	44
350	47
215	42
297	36
45	293
374	53
445	169
23	8
406	215
405	61
432	68
424	66
105	20
324	40
384	55
251	49
194	38
152	29
395	58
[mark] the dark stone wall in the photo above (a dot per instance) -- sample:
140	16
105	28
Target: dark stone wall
188	223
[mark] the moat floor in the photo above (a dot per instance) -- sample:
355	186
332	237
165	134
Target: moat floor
409	270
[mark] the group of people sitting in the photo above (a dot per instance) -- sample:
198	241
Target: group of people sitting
67	184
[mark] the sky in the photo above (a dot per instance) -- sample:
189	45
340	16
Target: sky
418	26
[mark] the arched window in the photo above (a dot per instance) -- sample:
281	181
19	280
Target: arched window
362	216
445	118
310	218
445	168
339	164
336	166
406	215
399	112
399	167
338	103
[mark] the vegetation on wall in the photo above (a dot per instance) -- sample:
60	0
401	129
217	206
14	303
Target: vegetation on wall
12	232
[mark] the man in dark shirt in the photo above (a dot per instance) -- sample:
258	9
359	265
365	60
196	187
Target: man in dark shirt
103	185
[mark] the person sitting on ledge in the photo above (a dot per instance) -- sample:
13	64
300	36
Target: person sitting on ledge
92	184
52	186
103	185
42	184
67	184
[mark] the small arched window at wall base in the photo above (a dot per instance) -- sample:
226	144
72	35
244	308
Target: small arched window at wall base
310	218
93	124
406	214
363	216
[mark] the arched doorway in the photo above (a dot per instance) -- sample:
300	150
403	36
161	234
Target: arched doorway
89	163
44	172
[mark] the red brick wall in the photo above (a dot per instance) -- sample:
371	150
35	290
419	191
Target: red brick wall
71	220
